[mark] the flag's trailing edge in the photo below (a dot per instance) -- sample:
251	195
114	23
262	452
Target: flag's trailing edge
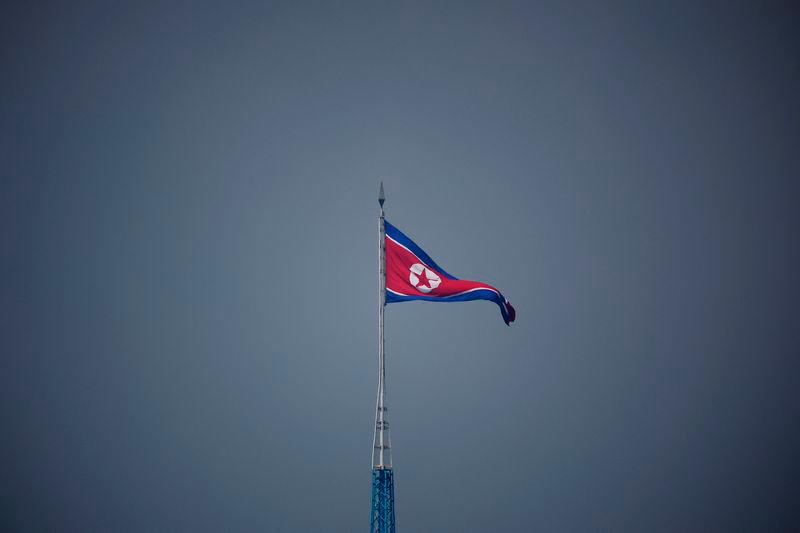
411	274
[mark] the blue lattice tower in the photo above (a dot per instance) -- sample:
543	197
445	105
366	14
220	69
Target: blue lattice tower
382	516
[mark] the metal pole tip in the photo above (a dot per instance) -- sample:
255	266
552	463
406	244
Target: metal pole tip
381	197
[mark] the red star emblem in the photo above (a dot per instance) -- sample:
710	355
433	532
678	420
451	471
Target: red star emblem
423	279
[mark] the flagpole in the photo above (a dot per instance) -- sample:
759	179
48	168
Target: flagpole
381	425
382	514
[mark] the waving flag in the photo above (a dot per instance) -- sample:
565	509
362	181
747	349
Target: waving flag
411	274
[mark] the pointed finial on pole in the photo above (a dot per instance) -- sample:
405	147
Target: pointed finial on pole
381	197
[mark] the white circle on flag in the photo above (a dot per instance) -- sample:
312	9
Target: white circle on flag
422	278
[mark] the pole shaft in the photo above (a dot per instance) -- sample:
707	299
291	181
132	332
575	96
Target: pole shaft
381	441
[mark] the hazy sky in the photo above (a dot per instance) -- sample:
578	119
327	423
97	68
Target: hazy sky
188	213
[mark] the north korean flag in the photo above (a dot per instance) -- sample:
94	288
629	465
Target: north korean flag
411	274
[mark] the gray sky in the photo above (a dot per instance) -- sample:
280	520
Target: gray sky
189	265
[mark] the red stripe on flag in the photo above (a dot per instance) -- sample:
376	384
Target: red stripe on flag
399	261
